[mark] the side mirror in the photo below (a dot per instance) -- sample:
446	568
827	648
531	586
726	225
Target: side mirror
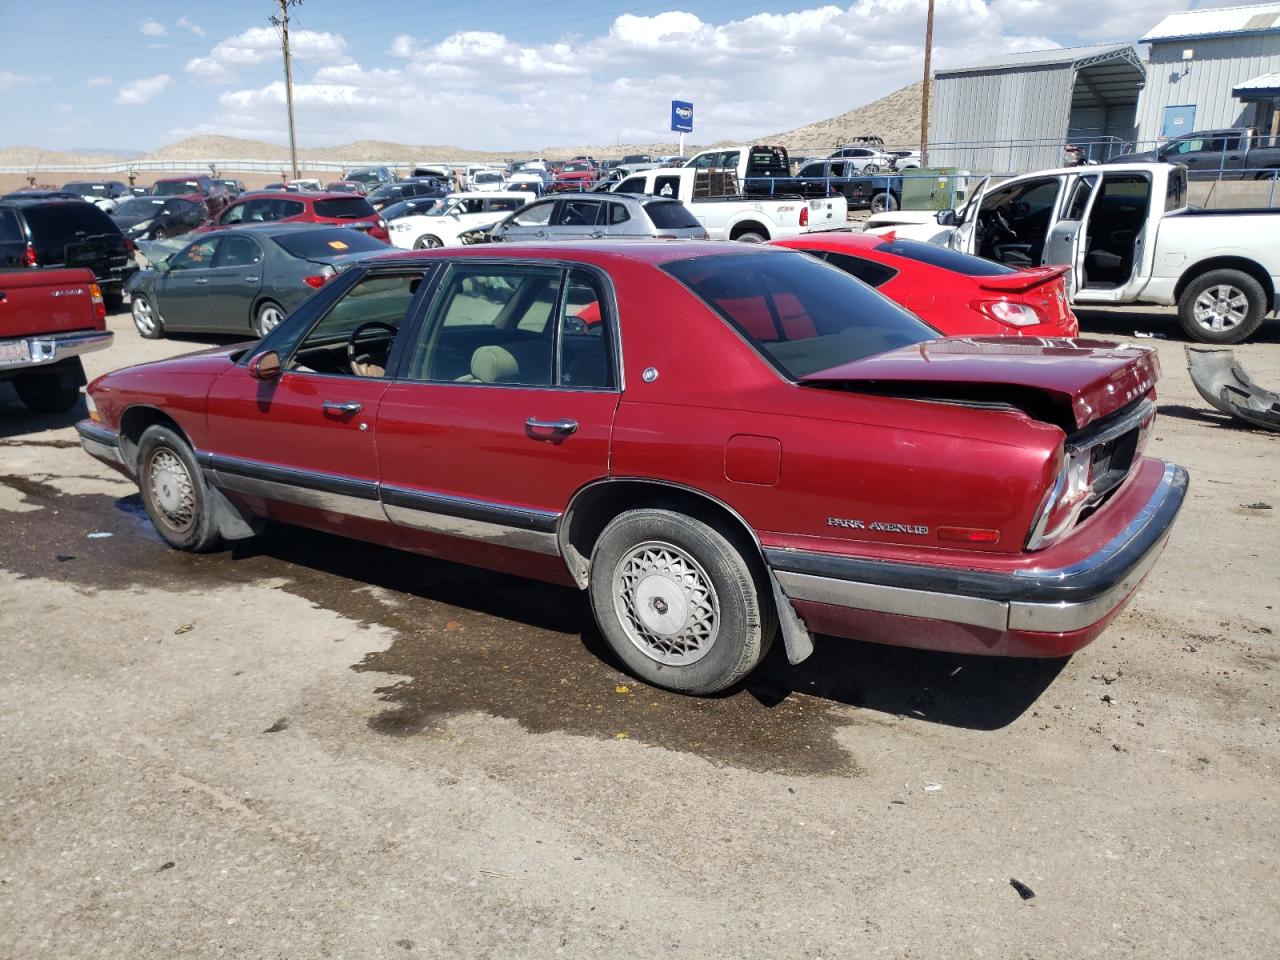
266	366
947	218
161	266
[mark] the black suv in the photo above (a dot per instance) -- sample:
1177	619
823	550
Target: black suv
38	232
390	193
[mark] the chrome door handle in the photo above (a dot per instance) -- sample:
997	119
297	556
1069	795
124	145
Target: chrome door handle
201	279
341	406
597	234
250	279
541	233
564	427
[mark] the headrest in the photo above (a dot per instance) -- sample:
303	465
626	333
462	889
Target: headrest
494	365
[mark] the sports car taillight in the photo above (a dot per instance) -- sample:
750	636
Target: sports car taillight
1009	313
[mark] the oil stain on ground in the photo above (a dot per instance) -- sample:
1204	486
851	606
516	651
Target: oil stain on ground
472	640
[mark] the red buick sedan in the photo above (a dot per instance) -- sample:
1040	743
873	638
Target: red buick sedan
956	293
302	206
711	479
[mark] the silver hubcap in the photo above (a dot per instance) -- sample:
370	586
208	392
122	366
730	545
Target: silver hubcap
171	490
1221	307
427	243
142	316
666	604
268	319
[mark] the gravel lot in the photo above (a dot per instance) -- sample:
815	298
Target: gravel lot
306	748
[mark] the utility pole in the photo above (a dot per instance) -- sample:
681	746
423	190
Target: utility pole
282	22
924	95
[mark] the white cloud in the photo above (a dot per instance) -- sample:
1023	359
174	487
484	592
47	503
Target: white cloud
143	90
259	45
102	81
153	28
9	80
186	24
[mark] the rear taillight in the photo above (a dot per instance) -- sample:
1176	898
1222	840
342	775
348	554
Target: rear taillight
1065	500
320	279
804	216
1009	313
29	257
99	305
129	246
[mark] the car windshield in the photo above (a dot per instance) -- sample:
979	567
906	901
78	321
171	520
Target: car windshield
801	315
488	178
174	188
315	244
344	208
142	207
88	189
936	256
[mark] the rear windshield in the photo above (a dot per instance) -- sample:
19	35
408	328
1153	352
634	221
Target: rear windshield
88	189
952	260
671	215
55	225
144	207
318	244
800	314
173	188
346	208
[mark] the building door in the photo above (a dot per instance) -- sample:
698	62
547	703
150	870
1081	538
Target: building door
1178	121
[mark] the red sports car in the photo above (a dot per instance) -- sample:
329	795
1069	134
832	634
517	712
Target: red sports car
748	442
956	293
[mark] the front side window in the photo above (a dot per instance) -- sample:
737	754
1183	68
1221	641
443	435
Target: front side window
367	317
198	256
535	215
799	314
235	213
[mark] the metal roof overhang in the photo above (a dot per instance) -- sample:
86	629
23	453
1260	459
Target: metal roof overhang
1265	87
1109	79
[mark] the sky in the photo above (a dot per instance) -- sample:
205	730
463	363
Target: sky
494	74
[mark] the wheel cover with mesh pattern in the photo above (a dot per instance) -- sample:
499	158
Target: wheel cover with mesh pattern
171	490
666	603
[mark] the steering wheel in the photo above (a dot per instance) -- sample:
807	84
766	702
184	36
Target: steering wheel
353	360
1001	223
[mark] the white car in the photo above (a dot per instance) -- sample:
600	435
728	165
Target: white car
450	216
485	181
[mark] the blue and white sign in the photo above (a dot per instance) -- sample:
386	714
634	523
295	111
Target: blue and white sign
681	116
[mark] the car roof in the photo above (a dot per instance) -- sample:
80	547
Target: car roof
640	250
277	229
184	176
295	194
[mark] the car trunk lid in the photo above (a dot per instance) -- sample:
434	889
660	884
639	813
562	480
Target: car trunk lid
1044	288
1080	380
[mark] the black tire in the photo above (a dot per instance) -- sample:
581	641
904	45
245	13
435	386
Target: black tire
267	317
884	203
751	236
160	234
46	392
1222	287
146	318
742	625
113	299
177	501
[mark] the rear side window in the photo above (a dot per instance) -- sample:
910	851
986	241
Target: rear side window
870	272
311	244
671	215
936	256
55	226
799	314
346	208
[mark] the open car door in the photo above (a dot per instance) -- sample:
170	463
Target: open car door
962	238
1067	242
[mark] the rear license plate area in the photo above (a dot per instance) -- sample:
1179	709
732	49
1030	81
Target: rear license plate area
11	350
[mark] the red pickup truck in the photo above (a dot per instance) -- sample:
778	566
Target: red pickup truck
48	318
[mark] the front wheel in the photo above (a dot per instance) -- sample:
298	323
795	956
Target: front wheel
174	492
679	602
427	243
1222	306
146	317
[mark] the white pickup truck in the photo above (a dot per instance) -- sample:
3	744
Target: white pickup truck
1128	235
750	219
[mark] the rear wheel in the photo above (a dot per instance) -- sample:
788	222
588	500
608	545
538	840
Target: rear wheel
268	317
174	492
46	392
679	602
1222	306
751	235
427	242
884	203
146	317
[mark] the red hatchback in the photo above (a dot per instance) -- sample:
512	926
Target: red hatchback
710	481
338	209
956	293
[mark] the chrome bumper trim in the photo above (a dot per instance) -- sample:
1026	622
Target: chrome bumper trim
44	350
101	443
1057	600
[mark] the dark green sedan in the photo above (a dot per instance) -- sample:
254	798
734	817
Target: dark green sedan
241	280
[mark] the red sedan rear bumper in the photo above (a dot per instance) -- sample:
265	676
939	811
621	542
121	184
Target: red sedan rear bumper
1050	612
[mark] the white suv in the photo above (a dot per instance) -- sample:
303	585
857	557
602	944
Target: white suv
441	224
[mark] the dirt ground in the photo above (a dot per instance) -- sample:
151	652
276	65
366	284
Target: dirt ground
305	747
